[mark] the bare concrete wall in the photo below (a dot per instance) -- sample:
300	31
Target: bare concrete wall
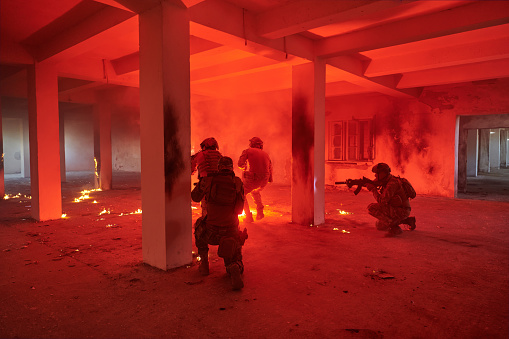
494	148
79	140
125	130
416	137
472	152
12	145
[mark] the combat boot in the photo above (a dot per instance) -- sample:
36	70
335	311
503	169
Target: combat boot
235	276
249	217
394	231
259	214
204	266
410	221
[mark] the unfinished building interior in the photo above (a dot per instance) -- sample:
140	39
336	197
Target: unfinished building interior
106	87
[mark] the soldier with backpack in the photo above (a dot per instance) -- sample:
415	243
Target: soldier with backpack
205	161
224	193
393	196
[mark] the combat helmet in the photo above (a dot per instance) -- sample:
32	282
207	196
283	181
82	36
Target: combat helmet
256	142
209	143
381	167
225	163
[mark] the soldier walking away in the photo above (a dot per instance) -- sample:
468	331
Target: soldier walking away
393	204
225	200
205	161
257	167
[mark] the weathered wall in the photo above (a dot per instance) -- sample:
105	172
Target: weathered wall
125	133
12	144
416	137
79	140
125	130
472	152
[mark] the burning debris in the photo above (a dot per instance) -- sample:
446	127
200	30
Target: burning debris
138	211
85	194
19	195
380	274
342	231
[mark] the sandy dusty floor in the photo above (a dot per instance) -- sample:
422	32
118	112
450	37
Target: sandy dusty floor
83	276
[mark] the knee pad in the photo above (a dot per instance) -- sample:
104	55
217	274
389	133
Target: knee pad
227	247
373	208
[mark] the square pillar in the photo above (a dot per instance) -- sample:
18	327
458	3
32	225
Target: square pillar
44	142
308	143
2	174
495	148
63	170
472	152
503	147
461	158
484	150
165	133
25	159
102	143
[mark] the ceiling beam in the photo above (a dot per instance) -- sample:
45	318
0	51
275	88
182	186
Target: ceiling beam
351	69
456	74
233	67
238	30
127	27
475	15
298	16
493	49
48	42
126	64
13	52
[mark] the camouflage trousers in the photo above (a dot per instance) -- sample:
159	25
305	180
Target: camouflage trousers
226	238
253	186
387	215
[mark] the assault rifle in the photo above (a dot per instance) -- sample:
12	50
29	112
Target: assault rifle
359	182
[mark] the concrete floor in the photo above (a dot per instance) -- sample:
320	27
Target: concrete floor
83	276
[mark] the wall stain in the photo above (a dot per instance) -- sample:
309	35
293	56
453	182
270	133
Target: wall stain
174	163
410	135
302	139
439	100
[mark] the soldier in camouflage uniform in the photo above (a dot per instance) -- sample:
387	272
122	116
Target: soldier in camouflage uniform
205	161
393	206
225	200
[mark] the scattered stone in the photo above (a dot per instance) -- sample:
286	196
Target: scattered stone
194	282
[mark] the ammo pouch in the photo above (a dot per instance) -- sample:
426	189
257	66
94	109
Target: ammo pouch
199	227
243	236
248	175
227	247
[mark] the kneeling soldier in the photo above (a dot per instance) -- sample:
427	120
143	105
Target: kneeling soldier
225	201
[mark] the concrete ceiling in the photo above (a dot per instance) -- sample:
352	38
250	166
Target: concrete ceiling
394	47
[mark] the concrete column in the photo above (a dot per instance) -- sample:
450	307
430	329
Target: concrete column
63	175
503	147
102	143
484	150
308	143
460	171
472	152
495	148
165	133
2	174
25	159
44	142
